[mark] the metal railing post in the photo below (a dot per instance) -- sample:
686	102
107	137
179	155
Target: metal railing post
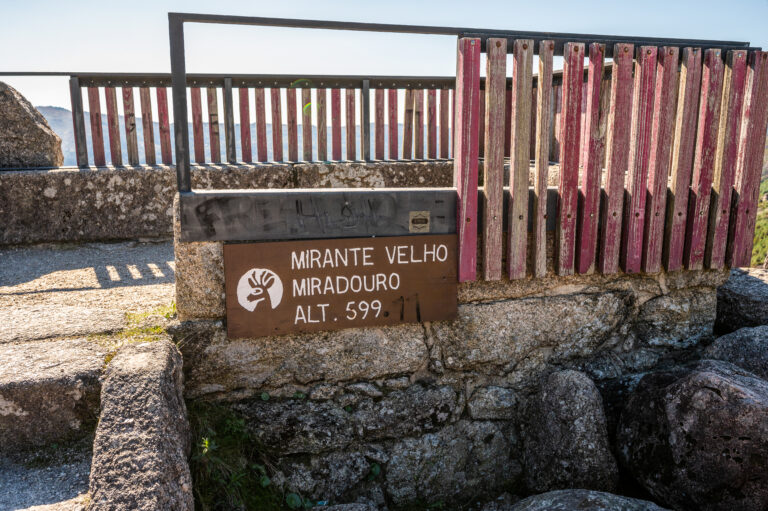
179	88
78	121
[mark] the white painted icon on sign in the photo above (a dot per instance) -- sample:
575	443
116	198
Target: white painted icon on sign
258	285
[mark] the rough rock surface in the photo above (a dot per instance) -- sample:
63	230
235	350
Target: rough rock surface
696	437
582	500
746	348
743	300
143	437
49	392
565	440
678	320
26	139
493	403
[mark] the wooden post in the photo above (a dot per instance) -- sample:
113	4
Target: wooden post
543	123
259	104
306	124
750	158
418	124
734	81
365	120
322	124
594	143
293	129
432	124
570	127
78	121
336	124
658	169
164	125
639	158
245	125
277	124
493	165
197	124
147	126
445	144
129	117
97	136
704	160
213	124
408	125
519	161
465	153
378	120
229	121
113	125
393	123
351	138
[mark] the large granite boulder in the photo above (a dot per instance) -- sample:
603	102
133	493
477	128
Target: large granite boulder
746	348
26	139
565	439
143	438
582	500
743	300
696	437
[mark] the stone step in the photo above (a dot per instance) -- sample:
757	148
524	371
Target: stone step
49	392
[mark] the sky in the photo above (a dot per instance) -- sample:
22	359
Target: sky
109	36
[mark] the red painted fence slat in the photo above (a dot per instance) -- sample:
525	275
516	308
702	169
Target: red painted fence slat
245	125
704	160
351	138
519	160
734	80
662	132
322	124
164	125
336	124
393	124
378	121
277	124
418	124
408	125
197	124
570	127
750	156
593	145
259	106
292	122
465	153
147	125
432	124
213	124
543	123
445	102
113	125
617	156
97	136
306	124
493	165
129	118
639	158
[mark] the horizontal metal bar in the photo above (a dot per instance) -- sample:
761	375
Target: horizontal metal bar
262	215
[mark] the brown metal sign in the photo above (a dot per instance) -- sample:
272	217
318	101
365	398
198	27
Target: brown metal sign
306	286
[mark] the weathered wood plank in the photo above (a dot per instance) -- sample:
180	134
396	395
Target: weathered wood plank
378	124
336	124
259	105
519	162
78	121
306	124
351	129
230	145
662	131
639	159
617	156
129	118
322	124
97	136
734	80
197	124
432	123
418	124
245	125
542	138
704	160
682	158
147	125
292	123
493	165
465	164
392	123
213	124
408	125
750	158
113	125
570	127
277	124
594	142
445	102
164	125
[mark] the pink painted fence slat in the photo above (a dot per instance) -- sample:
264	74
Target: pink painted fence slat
617	156
750	156
164	125
734	80
245	125
408	125
259	106
418	124
213	124
519	161
658	169
639	158
493	165
445	102
682	158
97	136
351	139
113	125
147	125
378	122
465	153
570	127
543	118
392	122
306	124
336	124
432	124
594	142
293	124
277	125
322	125
129	118
197	124
704	160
